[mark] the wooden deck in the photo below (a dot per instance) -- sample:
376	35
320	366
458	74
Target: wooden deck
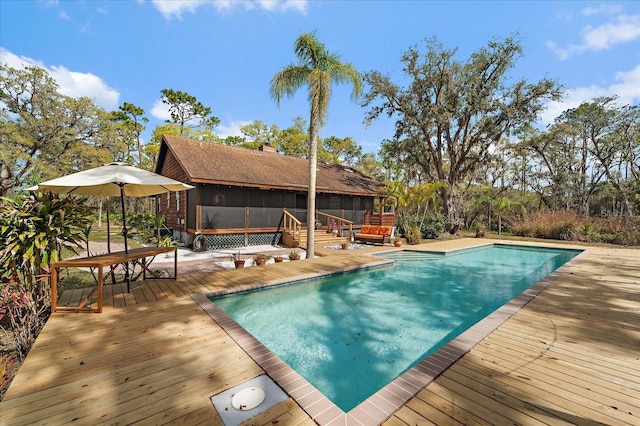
154	357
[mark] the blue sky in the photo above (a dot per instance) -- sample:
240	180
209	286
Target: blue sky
225	52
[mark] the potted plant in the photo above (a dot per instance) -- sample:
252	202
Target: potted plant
239	263
261	259
345	245
333	227
397	242
278	259
294	255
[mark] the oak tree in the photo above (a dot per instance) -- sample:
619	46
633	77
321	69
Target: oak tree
453	110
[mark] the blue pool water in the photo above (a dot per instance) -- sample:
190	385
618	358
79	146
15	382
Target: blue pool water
352	333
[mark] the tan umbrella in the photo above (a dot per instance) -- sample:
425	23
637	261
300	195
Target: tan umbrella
113	180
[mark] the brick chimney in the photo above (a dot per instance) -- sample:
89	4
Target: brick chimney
265	147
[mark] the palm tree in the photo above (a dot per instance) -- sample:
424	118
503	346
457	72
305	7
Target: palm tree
318	69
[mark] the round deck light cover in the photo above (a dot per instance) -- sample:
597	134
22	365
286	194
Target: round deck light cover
247	398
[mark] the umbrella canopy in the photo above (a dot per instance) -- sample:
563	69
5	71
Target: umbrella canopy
113	180
108	180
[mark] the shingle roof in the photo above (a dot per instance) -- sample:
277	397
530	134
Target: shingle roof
206	162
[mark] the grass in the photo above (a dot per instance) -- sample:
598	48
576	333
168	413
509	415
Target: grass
73	278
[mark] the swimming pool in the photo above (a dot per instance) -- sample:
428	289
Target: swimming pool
350	334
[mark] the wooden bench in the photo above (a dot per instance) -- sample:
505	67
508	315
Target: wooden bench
375	234
137	256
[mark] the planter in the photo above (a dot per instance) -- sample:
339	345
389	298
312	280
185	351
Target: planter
397	243
278	259
260	262
239	263
345	246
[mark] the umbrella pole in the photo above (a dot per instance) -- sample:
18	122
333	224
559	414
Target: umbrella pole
113	276
108	230
124	233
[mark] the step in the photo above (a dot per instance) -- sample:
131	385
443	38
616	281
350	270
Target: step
320	237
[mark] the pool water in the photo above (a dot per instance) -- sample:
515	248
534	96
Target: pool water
352	333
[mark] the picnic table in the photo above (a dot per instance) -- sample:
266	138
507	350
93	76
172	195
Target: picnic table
140	256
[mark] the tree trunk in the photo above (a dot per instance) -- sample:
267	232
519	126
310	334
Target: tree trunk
311	194
450	211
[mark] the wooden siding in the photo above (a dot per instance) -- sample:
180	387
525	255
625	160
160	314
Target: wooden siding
171	168
570	356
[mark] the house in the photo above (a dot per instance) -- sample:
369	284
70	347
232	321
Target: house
241	194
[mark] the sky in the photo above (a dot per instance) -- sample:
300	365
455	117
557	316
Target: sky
225	52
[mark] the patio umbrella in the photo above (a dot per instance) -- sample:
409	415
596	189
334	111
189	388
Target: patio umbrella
113	180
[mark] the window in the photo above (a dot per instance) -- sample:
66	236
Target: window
177	201
380	205
168	200
387	206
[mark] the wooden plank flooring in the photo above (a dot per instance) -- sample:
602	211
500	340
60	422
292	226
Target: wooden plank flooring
571	356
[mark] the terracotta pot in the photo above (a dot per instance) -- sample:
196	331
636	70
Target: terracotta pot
260	262
345	246
397	243
239	263
278	259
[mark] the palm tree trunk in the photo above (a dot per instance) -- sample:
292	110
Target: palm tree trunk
311	195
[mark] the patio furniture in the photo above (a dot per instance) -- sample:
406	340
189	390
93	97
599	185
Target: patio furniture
141	256
375	234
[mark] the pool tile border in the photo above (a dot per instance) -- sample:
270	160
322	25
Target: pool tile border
386	401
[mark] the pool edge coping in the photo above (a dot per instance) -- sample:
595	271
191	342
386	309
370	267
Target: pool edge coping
390	398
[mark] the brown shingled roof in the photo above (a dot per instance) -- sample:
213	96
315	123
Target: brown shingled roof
206	162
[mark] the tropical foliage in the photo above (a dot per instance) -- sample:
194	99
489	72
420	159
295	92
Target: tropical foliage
415	207
317	69
34	229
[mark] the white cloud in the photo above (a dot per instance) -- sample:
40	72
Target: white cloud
624	29
63	15
160	111
606	8
71	83
627	28
174	9
285	5
626	88
233	129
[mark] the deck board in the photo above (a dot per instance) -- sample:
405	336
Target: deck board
153	356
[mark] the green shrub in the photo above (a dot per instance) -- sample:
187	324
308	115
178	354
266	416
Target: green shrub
34	229
627	238
566	231
414	235
433	226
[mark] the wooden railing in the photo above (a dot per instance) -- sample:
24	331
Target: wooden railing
340	223
292	225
